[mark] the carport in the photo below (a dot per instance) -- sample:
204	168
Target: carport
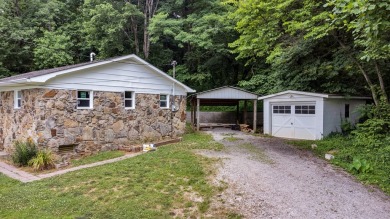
223	96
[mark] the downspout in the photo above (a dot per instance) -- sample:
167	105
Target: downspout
173	107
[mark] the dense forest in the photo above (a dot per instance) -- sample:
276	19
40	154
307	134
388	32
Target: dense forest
266	46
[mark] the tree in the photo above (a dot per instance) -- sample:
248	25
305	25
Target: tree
53	50
198	33
274	29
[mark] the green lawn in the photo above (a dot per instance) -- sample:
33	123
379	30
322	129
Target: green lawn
106	155
154	185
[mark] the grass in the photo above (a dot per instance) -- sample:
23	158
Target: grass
257	153
344	152
230	137
152	185
106	155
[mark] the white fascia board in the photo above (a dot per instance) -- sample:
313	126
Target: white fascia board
21	85
349	98
295	92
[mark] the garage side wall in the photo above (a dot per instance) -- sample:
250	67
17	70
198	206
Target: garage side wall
51	118
334	113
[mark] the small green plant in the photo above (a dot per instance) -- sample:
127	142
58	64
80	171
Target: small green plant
360	166
24	151
42	161
346	127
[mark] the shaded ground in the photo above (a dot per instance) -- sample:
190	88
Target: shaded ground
269	179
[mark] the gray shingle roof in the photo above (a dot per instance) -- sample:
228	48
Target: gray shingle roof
49	71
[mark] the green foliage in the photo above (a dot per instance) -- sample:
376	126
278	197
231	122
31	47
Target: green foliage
23	152
360	166
306	47
374	132
43	160
346	127
53	50
369	22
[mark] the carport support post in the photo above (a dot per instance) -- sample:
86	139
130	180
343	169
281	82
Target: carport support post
197	114
238	113
245	112
254	115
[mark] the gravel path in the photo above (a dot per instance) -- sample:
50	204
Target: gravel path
269	179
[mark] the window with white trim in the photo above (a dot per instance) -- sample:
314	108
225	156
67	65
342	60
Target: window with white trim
129	99
305	109
17	99
164	101
84	99
282	109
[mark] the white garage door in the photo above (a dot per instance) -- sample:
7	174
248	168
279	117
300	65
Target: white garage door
294	121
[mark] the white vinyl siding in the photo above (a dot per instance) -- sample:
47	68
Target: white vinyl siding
129	100
116	77
84	99
164	101
17	99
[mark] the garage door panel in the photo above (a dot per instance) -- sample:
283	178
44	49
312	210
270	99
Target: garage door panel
299	122
282	125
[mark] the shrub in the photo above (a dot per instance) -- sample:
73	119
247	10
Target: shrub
44	160
346	127
374	132
360	166
24	151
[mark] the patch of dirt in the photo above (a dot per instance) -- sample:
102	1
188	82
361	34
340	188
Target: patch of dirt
296	184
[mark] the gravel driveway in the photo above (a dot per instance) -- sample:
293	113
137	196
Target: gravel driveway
269	179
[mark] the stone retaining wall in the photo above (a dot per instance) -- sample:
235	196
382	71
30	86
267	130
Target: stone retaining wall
51	118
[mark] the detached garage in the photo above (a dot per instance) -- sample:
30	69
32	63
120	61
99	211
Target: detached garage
304	115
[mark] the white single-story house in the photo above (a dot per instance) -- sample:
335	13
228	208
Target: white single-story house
93	106
305	115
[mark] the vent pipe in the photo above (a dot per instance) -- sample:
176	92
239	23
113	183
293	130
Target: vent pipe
92	56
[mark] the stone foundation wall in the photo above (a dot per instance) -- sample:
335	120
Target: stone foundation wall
51	118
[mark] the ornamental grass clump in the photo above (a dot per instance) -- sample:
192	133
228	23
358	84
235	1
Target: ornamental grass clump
24	151
42	161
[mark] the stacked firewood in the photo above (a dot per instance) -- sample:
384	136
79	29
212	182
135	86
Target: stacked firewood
245	128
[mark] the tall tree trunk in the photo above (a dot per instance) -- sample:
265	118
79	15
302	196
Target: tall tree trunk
381	82
150	9
134	29
365	74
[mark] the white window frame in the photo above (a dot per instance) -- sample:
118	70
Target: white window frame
16	98
132	99
167	107
90	99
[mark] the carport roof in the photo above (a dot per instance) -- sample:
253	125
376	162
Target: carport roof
226	93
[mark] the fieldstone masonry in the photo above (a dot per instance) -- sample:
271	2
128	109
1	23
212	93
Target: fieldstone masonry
51	118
